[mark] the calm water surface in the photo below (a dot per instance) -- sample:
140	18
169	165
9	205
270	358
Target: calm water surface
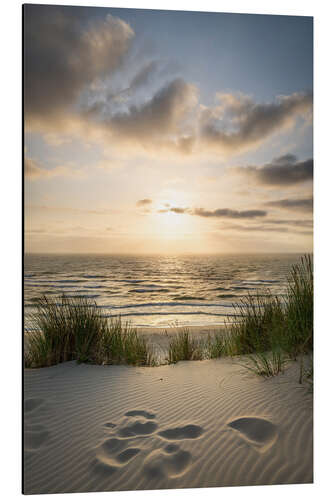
157	291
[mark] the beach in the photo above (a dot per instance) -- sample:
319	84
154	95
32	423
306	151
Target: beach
192	424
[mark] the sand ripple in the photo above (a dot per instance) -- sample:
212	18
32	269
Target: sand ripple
194	424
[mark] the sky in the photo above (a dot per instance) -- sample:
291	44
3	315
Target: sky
167	132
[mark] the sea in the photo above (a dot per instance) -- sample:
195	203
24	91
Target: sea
157	291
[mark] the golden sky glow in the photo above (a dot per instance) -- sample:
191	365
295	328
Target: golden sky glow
139	142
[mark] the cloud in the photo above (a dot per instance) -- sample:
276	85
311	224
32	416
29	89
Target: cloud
72	210
79	80
282	171
144	202
171	118
105	97
266	228
303	204
34	170
159	117
291	222
238	123
65	51
269	225
218	213
144	75
227	212
179	210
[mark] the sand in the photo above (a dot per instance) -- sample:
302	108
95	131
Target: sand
193	424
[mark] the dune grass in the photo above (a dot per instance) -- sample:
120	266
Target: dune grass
66	328
273	330
121	344
221	344
183	347
266	364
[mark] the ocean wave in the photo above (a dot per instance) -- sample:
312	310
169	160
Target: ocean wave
92	287
167	313
83	296
129	281
93	276
47	284
243	288
259	282
167	304
188	297
144	290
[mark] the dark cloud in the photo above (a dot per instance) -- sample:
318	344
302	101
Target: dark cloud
218	213
144	202
144	75
303	204
178	210
66	50
288	159
159	116
103	100
227	212
282	171
238	122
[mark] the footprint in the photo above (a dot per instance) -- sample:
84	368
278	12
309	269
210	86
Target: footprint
140	413
163	463
35	435
110	425
113	445
170	461
138	428
127	455
32	403
261	433
171	448
111	454
190	431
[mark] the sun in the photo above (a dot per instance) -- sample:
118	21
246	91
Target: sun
169	224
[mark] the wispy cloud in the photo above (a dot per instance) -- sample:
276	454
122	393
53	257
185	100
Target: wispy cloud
227	212
238	123
34	170
282	171
218	213
49	208
144	203
298	204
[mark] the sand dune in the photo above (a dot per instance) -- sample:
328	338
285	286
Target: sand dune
194	424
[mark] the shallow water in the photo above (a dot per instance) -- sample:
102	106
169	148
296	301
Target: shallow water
157	291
